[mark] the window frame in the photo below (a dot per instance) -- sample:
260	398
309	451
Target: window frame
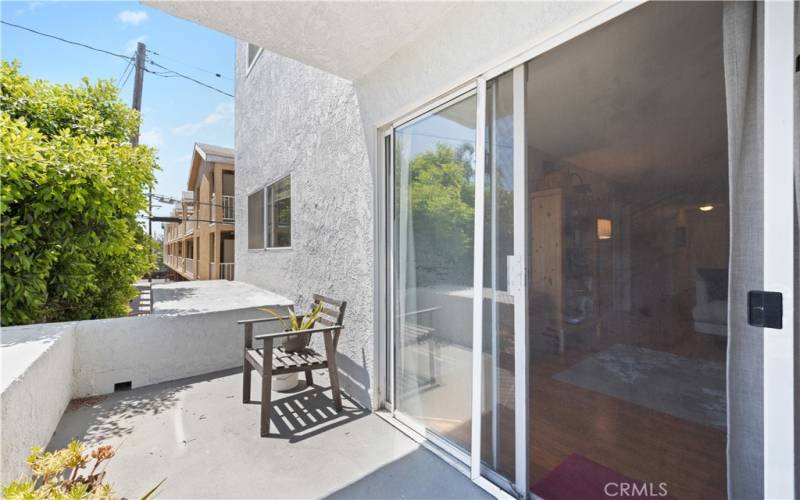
251	63
263	191
266	212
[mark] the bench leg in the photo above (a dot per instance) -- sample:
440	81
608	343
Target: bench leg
266	389
309	378
330	352
247	372
247	368
432	360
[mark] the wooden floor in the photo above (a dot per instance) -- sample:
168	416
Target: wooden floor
635	441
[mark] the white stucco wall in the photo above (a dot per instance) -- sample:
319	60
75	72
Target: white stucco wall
294	119
147	350
37	363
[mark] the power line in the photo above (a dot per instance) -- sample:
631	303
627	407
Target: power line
122	56
172	74
130	72
215	73
126	73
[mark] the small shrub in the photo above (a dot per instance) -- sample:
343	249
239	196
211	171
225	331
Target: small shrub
68	473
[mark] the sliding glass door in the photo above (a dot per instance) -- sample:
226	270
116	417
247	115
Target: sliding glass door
433	220
571	248
629	236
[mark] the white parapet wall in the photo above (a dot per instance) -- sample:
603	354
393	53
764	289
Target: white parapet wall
37	362
192	331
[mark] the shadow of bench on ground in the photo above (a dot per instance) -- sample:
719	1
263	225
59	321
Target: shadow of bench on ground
307	412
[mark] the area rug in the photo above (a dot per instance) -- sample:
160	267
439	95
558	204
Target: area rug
686	388
577	477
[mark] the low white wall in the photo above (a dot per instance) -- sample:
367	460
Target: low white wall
46	365
37	362
148	350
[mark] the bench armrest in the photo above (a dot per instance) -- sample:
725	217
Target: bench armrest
260	320
297	332
421	311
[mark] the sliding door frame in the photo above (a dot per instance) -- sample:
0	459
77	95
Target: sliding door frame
390	374
779	348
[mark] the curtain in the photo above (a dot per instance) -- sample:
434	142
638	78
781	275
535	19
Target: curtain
743	60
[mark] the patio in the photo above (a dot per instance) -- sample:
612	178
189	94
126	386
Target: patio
197	434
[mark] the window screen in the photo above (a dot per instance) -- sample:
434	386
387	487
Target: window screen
279	213
255	220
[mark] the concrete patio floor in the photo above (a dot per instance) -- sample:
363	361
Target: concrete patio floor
198	435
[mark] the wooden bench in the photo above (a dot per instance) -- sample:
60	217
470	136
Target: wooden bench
329	324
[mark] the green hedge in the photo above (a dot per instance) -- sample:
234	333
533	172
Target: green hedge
71	189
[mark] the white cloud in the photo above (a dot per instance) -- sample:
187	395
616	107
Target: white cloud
30	7
130	45
132	17
152	138
223	111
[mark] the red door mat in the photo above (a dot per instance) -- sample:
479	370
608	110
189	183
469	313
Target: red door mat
578	478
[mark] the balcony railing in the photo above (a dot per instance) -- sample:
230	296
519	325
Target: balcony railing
227	209
180	265
189	266
226	271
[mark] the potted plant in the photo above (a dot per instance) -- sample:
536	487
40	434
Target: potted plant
294	343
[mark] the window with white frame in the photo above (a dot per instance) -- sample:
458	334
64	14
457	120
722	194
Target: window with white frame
255	220
279	213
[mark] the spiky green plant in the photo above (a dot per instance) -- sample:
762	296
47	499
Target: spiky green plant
295	323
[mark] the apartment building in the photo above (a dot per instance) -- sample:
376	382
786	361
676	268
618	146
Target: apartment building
201	246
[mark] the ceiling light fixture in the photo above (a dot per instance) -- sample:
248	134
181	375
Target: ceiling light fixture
706	208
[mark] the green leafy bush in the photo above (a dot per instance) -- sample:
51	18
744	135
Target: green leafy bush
71	188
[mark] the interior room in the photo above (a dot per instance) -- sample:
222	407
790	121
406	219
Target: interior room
628	230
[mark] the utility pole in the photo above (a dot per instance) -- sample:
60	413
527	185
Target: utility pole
138	82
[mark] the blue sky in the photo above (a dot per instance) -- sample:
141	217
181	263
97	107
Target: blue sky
176	113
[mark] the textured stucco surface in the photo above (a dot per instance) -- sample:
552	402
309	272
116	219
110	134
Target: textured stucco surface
295	119
345	38
147	350
37	362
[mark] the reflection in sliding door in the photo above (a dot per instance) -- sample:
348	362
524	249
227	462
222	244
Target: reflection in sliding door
628	203
433	228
